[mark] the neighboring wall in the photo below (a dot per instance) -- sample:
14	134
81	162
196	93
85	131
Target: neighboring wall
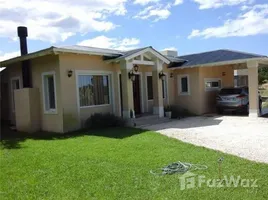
200	101
73	116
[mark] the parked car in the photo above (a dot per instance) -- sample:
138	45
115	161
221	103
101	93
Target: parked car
234	99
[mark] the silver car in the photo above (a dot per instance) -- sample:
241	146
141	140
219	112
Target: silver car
234	99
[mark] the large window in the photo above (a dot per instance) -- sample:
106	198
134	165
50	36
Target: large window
183	84
150	88
15	84
212	84
49	92
93	90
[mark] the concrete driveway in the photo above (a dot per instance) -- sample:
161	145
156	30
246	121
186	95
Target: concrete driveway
241	136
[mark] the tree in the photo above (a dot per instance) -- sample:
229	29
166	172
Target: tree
263	74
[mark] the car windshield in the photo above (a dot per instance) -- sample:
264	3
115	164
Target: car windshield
230	91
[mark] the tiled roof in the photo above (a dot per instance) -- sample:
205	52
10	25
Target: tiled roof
215	56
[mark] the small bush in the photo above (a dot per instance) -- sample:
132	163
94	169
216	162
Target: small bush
178	112
106	120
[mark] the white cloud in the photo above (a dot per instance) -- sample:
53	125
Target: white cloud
145	2
56	20
206	4
112	43
156	13
170	49
6	56
252	22
178	2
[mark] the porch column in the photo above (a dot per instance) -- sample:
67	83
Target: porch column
158	108
127	88
253	89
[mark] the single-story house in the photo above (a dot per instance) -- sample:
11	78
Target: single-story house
58	88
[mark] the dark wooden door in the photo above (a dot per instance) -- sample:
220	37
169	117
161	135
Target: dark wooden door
136	94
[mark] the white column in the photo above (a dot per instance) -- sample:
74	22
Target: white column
127	88
158	108
253	89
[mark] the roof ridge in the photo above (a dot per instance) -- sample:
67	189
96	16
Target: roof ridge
120	51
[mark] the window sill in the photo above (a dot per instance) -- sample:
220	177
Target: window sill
184	94
50	112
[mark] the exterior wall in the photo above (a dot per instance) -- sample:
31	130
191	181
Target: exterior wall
49	121
12	71
27	110
73	116
190	102
201	101
4	96
208	98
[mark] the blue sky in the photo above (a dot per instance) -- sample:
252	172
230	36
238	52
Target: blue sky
189	26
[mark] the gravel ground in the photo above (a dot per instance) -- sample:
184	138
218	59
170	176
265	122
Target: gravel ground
241	136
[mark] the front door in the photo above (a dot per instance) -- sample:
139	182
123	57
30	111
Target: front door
136	94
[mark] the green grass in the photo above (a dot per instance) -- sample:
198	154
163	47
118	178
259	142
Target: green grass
115	167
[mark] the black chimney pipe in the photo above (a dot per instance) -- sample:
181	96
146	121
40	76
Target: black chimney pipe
26	68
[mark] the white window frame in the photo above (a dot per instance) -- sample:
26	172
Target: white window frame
212	80
49	111
179	77
96	73
12	91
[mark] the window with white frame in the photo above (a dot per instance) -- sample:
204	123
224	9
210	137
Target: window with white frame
15	84
49	92
150	95
183	84
94	90
212	84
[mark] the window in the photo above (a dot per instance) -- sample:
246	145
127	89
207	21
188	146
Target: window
49	92
183	84
150	88
15	84
93	90
212	84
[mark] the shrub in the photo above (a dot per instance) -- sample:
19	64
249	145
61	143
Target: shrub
178	112
106	120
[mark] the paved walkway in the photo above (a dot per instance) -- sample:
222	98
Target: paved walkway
240	136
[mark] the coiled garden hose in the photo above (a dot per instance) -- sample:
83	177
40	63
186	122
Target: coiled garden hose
178	167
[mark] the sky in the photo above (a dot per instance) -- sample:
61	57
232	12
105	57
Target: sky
188	26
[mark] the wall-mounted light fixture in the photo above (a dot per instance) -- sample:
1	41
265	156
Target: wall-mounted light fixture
162	75
136	68
223	73
70	73
131	75
171	75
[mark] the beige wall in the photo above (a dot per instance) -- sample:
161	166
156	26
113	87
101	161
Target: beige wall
208	98
49	121
27	110
200	101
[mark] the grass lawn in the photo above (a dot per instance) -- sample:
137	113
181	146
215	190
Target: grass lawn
94	166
